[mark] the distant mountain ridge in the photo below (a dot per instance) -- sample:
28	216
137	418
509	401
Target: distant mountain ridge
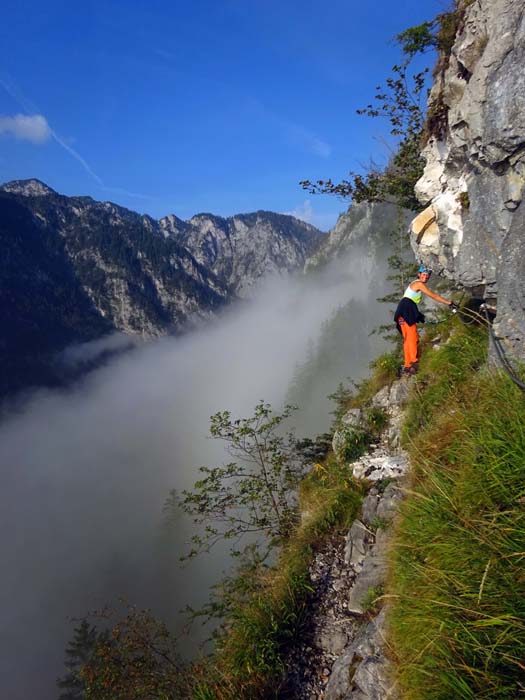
243	248
75	269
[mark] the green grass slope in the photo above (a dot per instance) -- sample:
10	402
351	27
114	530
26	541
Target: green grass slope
457	564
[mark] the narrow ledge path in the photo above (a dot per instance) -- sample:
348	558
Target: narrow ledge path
342	655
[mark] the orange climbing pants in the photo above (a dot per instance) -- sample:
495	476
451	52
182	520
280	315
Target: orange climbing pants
410	342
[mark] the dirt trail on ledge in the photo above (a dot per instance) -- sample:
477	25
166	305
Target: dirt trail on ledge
341	655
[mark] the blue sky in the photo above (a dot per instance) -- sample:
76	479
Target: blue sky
219	106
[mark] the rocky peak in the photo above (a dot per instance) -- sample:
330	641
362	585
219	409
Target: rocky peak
171	225
105	267
209	222
27	188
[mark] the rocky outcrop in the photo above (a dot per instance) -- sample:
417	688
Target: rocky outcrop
362	672
473	229
350	434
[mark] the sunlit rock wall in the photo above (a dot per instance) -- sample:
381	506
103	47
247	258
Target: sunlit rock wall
473	229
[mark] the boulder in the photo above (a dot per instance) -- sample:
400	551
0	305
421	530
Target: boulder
389	503
399	392
382	398
369	507
380	465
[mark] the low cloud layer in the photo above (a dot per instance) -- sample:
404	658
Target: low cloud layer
26	128
86	472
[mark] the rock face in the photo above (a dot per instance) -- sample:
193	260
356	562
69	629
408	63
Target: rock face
369	226
241	249
137	281
474	226
75	269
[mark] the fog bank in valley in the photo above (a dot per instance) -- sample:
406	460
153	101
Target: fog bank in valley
85	472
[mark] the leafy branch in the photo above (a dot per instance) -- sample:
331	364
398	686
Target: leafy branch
134	657
253	495
402	103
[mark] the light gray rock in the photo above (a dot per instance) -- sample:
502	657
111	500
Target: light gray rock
332	640
389	503
357	543
382	398
474	179
399	392
369	507
371	576
391	399
392	435
510	320
362	672
380	464
353	418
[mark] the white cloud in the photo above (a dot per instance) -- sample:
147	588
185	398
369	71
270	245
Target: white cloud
295	134
26	128
304	211
36	129
308	140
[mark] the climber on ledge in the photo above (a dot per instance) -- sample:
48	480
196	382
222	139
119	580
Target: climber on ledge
408	315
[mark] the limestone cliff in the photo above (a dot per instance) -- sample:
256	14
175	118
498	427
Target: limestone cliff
242	249
365	229
473	229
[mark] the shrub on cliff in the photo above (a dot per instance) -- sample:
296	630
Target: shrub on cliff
253	496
